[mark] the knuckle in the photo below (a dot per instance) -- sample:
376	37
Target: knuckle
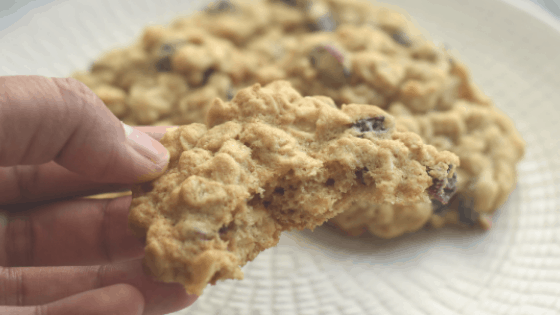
79	90
74	95
26	181
19	246
100	276
105	230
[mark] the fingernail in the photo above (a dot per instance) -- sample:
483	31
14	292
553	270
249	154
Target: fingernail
148	147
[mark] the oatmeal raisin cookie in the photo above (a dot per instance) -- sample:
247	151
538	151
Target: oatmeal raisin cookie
270	161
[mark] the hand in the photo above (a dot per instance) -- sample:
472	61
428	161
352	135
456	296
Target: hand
60	254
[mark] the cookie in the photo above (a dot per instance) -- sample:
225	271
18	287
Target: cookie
350	51
385	62
383	220
173	73
271	161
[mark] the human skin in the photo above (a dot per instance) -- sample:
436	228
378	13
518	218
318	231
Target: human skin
60	253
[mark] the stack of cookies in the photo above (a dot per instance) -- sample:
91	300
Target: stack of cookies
295	112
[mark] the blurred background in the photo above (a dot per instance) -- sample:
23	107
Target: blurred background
552	6
13	10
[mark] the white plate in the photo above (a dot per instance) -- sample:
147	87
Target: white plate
514	269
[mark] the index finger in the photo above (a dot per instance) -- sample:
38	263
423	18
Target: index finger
40	236
51	181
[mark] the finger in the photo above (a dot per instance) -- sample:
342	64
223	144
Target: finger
40	285
117	299
27	183
62	120
69	233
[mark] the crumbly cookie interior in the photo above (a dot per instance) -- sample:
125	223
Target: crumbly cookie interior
269	161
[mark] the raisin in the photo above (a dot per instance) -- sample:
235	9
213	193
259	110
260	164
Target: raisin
451	186
226	228
230	94
313	60
279	190
167	49
291	3
438	207
346	72
330	64
165	52
164	64
326	51
402	38
467	214
442	191
330	182
223	230
360	175
206	75
221	6
370	124
324	23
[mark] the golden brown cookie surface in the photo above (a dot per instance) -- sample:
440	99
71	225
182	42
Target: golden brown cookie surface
269	161
349	50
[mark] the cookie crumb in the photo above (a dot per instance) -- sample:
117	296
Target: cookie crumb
485	221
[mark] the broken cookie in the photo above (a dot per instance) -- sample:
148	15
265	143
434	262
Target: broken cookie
266	162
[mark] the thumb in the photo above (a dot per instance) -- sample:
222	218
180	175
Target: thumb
49	119
151	154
